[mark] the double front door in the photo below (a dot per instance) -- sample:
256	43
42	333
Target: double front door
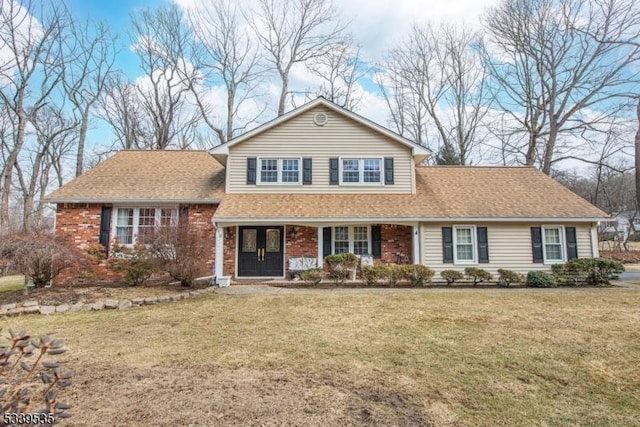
260	251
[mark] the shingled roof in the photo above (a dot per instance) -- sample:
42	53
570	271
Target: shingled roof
443	193
147	176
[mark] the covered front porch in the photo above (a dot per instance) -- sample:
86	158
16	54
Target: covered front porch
271	249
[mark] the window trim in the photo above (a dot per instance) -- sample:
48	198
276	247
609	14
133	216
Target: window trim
136	220
351	234
474	245
279	170
360	171
563	243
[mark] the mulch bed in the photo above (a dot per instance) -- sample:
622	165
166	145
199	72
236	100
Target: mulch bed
627	257
96	291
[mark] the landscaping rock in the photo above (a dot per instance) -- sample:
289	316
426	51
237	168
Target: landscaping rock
137	301
164	298
47	309
98	305
30	303
3	311
62	308
111	304
124	304
80	307
15	311
31	309
9	306
151	300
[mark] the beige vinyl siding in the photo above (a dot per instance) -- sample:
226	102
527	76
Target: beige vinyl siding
300	137
509	246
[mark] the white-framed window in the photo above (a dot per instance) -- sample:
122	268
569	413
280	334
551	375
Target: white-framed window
354	239
279	171
464	245
366	171
134	225
553	244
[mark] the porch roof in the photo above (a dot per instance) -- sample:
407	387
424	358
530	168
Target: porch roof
443	193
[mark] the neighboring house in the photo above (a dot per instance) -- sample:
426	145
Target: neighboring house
620	224
321	180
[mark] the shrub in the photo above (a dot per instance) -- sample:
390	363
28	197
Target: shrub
593	271
507	277
371	274
137	263
40	257
313	275
20	390
451	276
417	274
341	266
478	275
180	251
391	273
540	279
635	236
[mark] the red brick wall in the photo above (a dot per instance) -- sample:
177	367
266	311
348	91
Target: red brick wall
229	262
305	243
396	239
80	223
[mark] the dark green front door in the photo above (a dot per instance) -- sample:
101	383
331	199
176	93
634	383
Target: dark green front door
260	251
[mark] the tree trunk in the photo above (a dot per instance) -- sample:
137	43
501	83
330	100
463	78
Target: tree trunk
637	153
84	124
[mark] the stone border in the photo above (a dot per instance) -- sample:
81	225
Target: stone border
33	307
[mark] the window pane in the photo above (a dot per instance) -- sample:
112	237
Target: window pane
463	236
341	247
146	223
372	170
552	235
360	233
341	234
361	248
464	252
554	252
168	217
273	240
360	240
124	226
290	170
269	170
350	170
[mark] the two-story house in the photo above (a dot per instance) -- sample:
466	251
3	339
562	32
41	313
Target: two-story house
321	180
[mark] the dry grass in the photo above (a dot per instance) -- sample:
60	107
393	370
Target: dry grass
522	357
11	283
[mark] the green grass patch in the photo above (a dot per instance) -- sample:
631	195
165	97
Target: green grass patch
11	283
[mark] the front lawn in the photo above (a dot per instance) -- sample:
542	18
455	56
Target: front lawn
438	357
11	283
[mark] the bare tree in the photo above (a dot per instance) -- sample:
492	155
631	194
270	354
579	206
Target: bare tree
339	70
227	55
441	67
637	158
294	32
91	50
31	67
163	41
121	109
559	67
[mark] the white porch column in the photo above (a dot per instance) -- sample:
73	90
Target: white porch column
415	239
320	246
219	257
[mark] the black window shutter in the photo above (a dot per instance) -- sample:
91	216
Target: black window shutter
306	171
388	170
447	245
572	244
326	241
376	241
333	171
105	227
251	170
183	215
536	244
483	245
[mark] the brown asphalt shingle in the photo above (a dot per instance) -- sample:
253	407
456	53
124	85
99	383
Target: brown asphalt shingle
443	192
162	175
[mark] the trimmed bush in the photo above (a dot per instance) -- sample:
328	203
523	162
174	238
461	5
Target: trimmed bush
341	266
371	274
313	275
507	277
477	275
592	271
137	263
391	273
540	279
417	274
451	276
